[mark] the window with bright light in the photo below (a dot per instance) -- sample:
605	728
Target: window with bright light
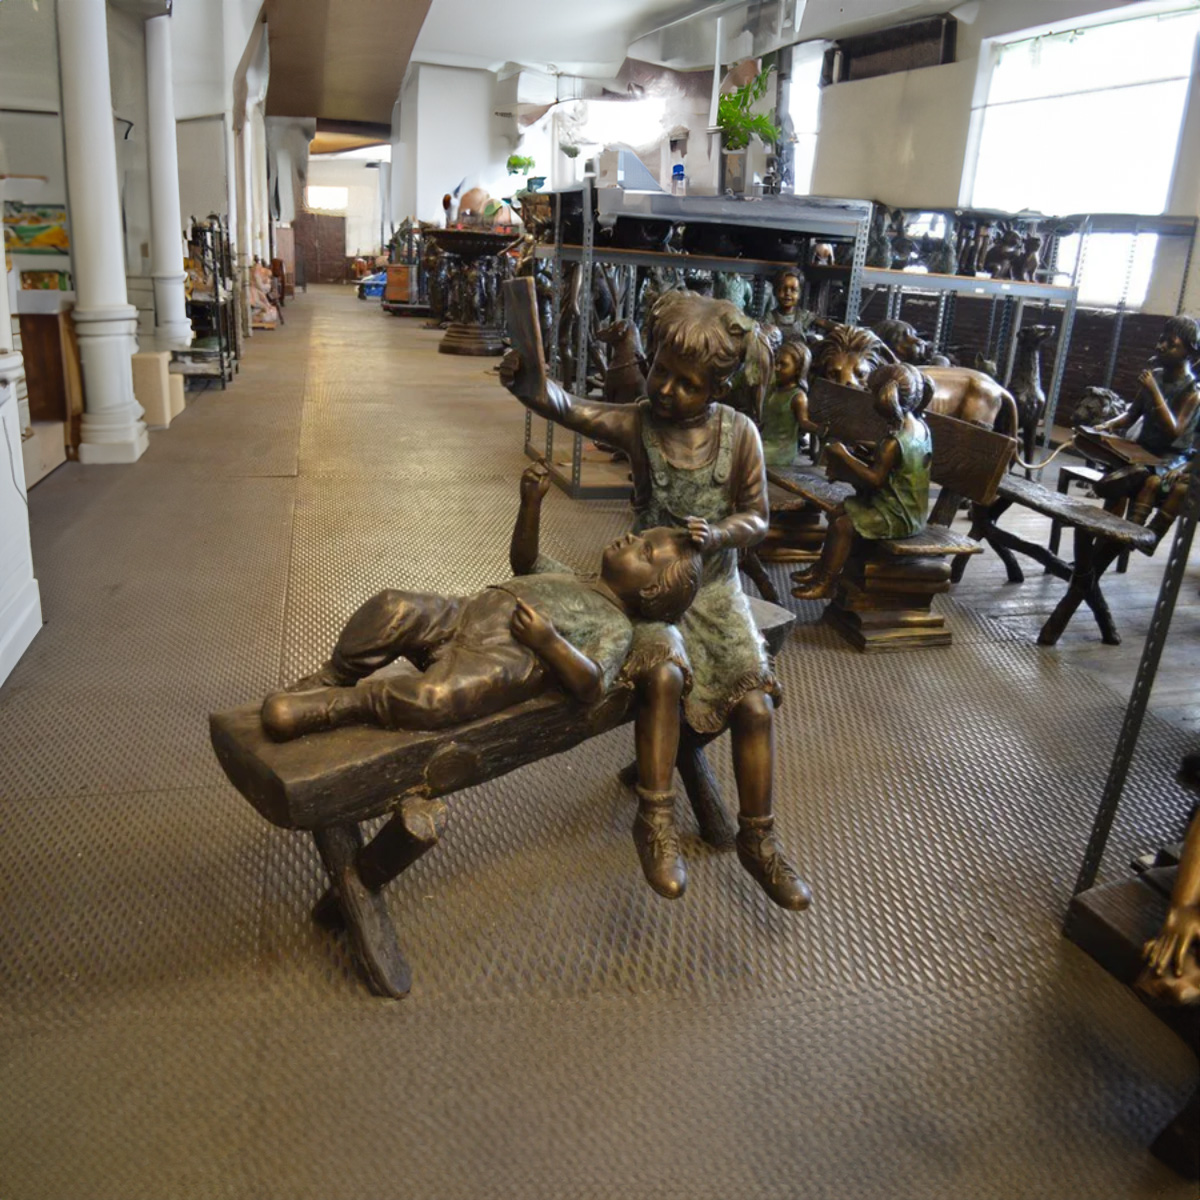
327	199
804	104
1087	120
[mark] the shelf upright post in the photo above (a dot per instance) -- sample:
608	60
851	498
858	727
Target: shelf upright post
859	261
586	268
1143	682
1014	311
1064	331
1119	316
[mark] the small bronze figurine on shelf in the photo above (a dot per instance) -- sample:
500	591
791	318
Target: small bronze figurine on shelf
545	627
892	500
1168	403
697	462
785	410
787	316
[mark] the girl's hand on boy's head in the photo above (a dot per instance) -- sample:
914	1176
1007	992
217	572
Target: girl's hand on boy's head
704	536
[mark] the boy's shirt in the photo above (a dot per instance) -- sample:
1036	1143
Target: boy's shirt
592	624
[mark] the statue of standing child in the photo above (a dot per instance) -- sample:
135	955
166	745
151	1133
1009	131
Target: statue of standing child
699	464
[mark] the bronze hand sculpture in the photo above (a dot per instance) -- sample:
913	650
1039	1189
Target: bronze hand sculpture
1173	957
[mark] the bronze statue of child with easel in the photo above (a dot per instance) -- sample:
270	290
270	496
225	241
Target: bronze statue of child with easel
696	463
892	498
479	654
1148	473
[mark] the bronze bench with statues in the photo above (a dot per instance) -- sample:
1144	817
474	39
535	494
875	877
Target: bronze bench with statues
425	695
883	599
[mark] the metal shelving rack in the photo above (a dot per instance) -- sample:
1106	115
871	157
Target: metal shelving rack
811	217
1091	224
1010	294
213	317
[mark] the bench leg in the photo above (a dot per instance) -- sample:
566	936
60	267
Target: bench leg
367	920
1084	585
704	793
413	830
753	567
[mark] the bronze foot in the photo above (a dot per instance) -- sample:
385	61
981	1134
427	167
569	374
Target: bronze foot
657	843
758	850
812	585
288	715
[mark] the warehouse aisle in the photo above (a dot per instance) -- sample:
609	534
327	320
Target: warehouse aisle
173	1025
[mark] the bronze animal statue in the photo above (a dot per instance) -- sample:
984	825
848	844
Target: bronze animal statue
1026	385
908	345
625	377
1007	251
1098	405
848	354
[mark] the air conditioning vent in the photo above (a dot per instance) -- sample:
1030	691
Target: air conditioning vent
927	43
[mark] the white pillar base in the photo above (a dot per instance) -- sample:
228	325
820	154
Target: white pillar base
20	622
111	430
171	326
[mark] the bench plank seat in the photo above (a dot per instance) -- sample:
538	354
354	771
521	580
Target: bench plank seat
1076	511
932	541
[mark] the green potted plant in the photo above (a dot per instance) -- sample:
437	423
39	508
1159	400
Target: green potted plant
738	124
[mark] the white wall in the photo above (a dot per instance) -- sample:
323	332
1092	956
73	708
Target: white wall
404	150
203	181
899	138
457	136
362	183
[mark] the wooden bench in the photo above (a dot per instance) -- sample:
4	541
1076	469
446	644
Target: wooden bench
1101	537
327	783
883	600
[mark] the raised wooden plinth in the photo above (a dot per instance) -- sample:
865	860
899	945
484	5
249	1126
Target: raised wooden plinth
1112	923
479	340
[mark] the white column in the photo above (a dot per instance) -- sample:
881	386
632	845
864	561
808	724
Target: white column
166	244
111	430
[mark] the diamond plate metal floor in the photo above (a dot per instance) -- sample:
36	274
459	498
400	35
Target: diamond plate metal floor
172	1025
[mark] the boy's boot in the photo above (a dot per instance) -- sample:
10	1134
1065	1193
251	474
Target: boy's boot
1159	524
657	843
759	852
287	715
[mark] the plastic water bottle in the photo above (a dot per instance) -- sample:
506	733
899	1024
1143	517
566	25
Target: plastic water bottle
678	181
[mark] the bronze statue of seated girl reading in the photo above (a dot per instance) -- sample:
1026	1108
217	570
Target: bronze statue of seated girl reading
892	498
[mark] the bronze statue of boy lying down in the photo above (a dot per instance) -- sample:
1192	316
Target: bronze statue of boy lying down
476	655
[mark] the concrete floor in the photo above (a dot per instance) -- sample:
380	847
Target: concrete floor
172	1025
